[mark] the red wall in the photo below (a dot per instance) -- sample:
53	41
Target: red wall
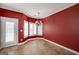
63	27
30	19
21	17
13	14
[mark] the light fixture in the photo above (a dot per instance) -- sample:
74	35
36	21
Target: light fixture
38	22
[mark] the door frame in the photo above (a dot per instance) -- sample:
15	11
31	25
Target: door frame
3	31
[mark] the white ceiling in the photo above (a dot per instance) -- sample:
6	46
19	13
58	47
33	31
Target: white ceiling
36	10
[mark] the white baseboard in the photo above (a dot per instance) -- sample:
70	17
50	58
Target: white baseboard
66	48
71	50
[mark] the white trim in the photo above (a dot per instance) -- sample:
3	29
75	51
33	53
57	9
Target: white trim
68	49
24	12
25	41
61	9
71	50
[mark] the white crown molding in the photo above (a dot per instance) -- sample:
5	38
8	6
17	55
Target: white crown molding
21	10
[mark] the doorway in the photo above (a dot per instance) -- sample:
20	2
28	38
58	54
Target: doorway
9	32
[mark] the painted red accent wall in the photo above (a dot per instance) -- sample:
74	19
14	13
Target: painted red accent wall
63	27
13	14
30	19
21	17
33	20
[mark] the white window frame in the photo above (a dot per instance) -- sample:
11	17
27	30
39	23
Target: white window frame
33	29
25	29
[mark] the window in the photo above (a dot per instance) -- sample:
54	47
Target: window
40	29
32	29
25	29
35	29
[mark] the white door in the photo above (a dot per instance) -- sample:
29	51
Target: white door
9	31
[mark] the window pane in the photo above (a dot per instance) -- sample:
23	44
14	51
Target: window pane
25	29
31	29
35	29
40	29
9	31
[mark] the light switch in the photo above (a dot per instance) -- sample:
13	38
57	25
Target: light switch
21	30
